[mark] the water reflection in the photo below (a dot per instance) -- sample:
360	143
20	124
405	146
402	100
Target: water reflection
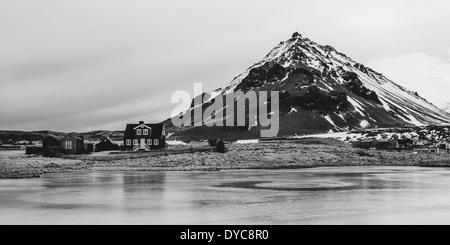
363	195
154	180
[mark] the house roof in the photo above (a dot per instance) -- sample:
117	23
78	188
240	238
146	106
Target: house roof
119	143
73	137
417	141
90	142
405	140
142	125
444	142
105	138
367	141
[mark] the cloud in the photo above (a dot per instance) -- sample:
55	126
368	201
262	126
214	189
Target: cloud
76	65
427	74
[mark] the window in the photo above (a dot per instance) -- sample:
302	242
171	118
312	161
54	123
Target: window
128	142
135	142
145	131
156	142
139	132
149	142
69	145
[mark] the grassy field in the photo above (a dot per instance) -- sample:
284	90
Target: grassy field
307	154
15	164
310	154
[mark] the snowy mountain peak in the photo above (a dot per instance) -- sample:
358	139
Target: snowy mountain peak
323	89
296	35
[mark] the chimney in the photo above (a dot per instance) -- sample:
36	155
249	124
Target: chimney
141	122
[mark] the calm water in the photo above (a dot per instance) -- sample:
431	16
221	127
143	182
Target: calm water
318	196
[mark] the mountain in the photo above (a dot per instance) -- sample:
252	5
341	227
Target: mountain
447	107
7	136
321	90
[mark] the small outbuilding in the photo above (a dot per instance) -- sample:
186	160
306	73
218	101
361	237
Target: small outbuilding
107	144
382	144
364	144
444	146
51	141
421	148
393	144
89	146
434	148
72	145
405	143
417	142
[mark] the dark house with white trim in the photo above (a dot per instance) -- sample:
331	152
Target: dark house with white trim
144	137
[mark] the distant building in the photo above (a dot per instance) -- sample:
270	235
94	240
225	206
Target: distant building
444	146
439	147
393	144
382	144
417	142
373	144
22	142
429	148
106	144
144	137
405	143
364	144
37	143
387	144
434	148
421	148
48	147
89	146
51	141
72	145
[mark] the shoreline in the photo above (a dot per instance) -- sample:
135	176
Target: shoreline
38	174
274	156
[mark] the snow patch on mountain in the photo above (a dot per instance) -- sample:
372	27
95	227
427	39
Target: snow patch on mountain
357	106
328	118
364	124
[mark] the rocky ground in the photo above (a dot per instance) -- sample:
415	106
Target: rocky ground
316	153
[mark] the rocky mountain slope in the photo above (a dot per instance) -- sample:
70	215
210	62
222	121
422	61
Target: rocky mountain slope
321	90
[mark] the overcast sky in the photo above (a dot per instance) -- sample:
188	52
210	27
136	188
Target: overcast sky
81	65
